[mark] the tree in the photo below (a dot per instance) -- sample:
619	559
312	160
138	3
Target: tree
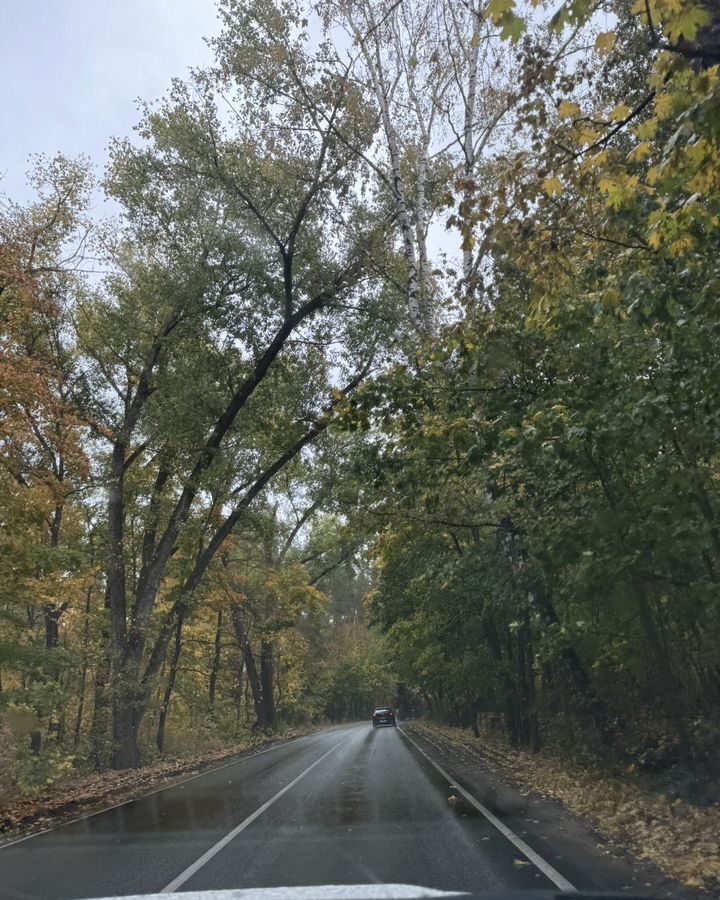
42	463
233	297
442	86
549	470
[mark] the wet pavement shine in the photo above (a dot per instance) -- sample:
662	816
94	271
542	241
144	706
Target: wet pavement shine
351	805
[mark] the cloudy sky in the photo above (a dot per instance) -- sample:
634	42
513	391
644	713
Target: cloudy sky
72	70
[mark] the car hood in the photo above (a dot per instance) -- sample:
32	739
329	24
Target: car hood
320	892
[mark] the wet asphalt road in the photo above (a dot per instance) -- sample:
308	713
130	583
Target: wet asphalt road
359	806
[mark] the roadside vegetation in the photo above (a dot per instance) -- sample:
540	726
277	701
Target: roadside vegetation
399	363
82	793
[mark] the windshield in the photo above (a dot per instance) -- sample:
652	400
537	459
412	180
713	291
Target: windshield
350	351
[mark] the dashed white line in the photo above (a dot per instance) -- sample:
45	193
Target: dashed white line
224	841
549	871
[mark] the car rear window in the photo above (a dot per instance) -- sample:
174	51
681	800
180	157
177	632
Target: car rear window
383	710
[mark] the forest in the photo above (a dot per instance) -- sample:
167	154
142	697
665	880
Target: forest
381	365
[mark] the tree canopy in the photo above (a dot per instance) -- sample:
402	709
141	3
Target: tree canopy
394	375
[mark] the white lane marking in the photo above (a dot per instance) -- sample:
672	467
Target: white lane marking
166	787
224	841
549	871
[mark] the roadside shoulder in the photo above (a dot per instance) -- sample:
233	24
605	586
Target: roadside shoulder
88	795
570	842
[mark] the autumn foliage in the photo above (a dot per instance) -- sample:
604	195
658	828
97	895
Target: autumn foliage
395	377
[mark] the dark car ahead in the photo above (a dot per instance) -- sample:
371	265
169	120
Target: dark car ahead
383	716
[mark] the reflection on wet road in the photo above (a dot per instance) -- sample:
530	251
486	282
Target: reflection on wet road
371	810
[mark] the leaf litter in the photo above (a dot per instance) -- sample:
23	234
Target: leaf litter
79	795
680	838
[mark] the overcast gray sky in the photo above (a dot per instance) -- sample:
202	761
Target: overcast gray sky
72	70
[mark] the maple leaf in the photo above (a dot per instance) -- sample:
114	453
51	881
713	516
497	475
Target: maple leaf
605	42
552	187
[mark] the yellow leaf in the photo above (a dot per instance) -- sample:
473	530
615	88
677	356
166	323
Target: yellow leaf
663	106
647	130
641	7
682	245
621	112
605	42
588	136
594	161
618	190
612	297
686	24
568	110
552	186
655	240
639	153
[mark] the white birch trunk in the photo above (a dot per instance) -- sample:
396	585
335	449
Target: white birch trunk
379	84
421	239
469	137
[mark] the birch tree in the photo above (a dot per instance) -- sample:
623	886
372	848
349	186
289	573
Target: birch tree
440	80
431	83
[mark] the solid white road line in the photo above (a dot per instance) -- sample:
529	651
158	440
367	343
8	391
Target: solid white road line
549	871
223	842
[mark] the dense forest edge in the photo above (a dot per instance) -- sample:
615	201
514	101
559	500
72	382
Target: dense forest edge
391	376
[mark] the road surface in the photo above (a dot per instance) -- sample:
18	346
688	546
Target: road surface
351	805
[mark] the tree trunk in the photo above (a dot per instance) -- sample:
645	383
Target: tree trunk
160	739
253	679
278	685
215	664
667	685
469	144
238	687
380	88
512	721
246	693
266	683
100	727
52	626
529	726
83	673
126	706
541	604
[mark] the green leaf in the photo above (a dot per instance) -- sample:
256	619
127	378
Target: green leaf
497	9
512	27
686	24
